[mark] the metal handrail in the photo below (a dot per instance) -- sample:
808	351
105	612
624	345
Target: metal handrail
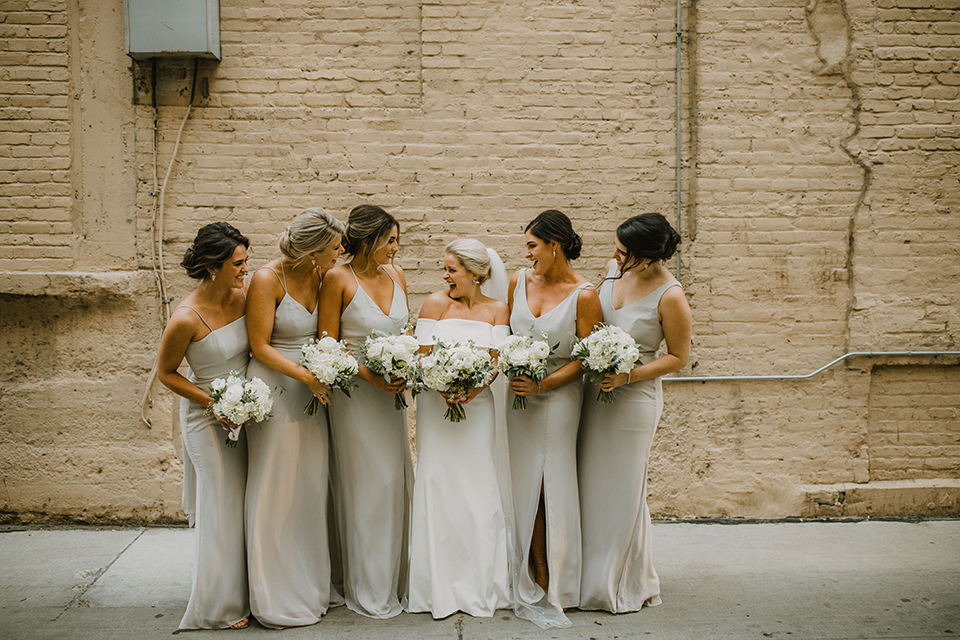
852	354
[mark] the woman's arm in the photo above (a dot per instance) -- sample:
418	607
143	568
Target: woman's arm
677	323
177	336
262	300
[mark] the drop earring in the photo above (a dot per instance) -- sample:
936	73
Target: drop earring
554	253
213	277
313	261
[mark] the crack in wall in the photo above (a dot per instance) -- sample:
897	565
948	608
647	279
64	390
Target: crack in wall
830	25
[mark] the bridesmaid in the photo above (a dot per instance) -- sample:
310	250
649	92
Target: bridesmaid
551	298
371	455
641	297
214	475
287	543
458	537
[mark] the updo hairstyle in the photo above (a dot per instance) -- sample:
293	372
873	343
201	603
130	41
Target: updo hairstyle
647	236
553	225
214	245
368	230
473	255
312	230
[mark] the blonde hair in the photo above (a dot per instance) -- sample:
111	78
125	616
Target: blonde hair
473	255
312	230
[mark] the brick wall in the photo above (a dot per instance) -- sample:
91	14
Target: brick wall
914	423
36	216
820	189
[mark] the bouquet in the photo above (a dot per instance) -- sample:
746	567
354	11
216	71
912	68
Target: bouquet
455	368
608	349
238	399
393	357
519	356
331	363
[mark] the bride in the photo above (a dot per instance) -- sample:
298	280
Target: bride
458	538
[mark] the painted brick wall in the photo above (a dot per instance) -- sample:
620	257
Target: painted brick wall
36	214
820	190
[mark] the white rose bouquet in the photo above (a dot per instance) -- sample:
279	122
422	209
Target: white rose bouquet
393	357
238	400
331	363
524	356
455	368
608	349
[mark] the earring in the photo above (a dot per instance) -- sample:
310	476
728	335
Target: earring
213	277
475	281
313	261
554	253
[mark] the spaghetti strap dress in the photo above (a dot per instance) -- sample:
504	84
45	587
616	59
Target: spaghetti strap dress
613	451
543	443
215	477
372	470
286	501
458	537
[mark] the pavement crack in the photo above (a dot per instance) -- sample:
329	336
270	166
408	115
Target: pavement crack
459	627
78	600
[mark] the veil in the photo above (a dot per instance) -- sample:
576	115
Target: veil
496	285
543	614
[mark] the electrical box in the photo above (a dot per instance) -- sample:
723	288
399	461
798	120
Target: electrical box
172	28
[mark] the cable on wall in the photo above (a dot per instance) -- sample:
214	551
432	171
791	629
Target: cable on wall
156	243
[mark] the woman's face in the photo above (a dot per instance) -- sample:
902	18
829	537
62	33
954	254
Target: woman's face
235	268
327	259
540	252
387	252
457	277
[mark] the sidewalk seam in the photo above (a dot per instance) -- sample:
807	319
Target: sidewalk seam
75	602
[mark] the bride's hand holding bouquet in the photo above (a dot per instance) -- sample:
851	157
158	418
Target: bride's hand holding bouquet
459	372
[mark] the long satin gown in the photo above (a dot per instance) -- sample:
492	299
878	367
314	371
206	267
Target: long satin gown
373	470
613	451
458	537
214	481
543	443
287	488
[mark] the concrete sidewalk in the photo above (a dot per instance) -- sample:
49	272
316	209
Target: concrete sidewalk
783	580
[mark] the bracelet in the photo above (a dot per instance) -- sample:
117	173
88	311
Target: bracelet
629	373
538	386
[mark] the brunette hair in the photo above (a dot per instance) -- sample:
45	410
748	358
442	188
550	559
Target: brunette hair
312	230
647	236
214	245
368	230
555	226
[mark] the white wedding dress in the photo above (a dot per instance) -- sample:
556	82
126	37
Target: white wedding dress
458	538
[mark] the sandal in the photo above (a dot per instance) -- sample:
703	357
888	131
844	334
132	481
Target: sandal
243	624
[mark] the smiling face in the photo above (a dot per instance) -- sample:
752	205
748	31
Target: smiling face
388	251
458	279
540	252
327	259
233	271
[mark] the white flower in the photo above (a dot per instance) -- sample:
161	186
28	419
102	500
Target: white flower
218	384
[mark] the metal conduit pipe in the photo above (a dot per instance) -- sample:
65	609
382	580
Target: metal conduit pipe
679	138
852	354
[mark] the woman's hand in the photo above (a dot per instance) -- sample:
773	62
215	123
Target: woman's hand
613	380
319	390
226	424
526	386
395	386
460	397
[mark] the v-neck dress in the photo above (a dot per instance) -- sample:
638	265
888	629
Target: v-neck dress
372	470
458	536
543	444
287	479
613	451
214	481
